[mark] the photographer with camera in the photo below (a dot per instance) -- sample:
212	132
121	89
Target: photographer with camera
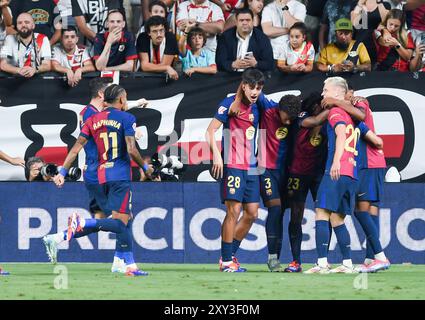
38	170
166	168
34	166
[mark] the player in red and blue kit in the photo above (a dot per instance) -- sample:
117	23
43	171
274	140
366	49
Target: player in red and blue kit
372	166
51	241
113	132
306	168
336	194
370	181
236	166
275	130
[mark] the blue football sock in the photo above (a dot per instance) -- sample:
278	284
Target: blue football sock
226	251
369	250
343	238
295	238
371	232
322	238
113	225
273	229
330	234
128	257
235	246
124	240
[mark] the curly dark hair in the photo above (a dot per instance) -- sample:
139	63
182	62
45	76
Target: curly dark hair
291	105
310	103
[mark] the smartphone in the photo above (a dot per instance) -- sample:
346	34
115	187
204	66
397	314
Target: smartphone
249	54
423	38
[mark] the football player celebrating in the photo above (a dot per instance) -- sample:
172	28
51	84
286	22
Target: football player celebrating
113	132
371	171
336	194
275	128
236	166
305	169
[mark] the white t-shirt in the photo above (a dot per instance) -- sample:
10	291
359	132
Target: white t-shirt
273	13
291	56
71	61
206	12
17	53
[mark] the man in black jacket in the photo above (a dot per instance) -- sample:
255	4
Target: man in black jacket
244	46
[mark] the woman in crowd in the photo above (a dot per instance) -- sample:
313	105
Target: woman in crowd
395	52
366	17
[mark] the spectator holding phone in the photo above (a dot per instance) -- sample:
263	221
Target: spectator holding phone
244	46
395	52
298	54
194	56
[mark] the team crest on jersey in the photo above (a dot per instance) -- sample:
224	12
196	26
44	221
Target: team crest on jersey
250	133
281	133
352	54
303	57
251	117
269	192
302	114
232	190
316	140
121	48
222	110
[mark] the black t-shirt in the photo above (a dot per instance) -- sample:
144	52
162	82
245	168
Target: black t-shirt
315	7
144	44
95	11
44	13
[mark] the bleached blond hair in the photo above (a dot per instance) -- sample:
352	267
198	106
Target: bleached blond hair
337	82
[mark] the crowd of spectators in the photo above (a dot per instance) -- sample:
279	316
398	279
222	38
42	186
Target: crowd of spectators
72	37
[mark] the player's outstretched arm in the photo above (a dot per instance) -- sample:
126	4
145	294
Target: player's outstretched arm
339	150
13	161
314	121
217	169
141	103
59	179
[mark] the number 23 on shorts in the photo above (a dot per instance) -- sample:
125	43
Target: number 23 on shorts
293	183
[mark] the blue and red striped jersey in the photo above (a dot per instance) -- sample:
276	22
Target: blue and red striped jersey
109	129
239	135
90	168
273	137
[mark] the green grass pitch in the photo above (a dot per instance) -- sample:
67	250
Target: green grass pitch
204	282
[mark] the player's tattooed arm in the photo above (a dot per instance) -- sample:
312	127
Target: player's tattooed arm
339	151
217	168
315	121
355	113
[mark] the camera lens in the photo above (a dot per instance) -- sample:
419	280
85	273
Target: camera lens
74	173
